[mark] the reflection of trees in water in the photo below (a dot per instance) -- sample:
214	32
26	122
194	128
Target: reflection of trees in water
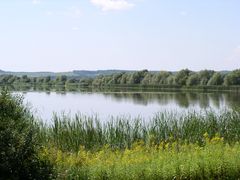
146	98
182	99
216	99
136	98
232	100
203	100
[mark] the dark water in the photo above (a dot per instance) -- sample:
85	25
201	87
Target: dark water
134	104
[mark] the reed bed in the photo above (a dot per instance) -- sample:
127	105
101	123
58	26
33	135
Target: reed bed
70	134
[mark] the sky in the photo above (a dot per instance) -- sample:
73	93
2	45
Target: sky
65	35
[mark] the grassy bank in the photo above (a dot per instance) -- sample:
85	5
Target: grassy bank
171	146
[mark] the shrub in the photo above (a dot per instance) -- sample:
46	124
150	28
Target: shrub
18	143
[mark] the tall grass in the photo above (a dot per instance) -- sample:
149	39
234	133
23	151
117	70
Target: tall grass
69	134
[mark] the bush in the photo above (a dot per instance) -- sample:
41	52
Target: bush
18	143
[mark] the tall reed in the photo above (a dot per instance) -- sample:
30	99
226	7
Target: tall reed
69	134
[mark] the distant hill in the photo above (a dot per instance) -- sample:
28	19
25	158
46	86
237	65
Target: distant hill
84	73
75	73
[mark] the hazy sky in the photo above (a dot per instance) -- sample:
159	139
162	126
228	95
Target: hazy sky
63	35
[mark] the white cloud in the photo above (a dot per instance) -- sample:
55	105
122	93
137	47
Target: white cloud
111	5
36	1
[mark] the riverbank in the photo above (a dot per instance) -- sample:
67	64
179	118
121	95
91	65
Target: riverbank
171	146
180	146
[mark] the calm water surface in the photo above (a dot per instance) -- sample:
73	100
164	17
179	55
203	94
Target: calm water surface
134	104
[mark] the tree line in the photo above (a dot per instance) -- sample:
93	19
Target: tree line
181	78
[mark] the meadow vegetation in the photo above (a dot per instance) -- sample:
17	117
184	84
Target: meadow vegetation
214	160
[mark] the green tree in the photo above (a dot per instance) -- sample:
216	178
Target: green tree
205	76
85	82
124	78
137	77
72	81
34	79
97	81
12	79
18	142
115	78
40	80
182	76
216	79
25	79
193	80
47	79
161	78
232	78
61	79
171	80
147	80
7	79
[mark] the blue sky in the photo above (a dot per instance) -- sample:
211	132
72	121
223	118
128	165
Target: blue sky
63	35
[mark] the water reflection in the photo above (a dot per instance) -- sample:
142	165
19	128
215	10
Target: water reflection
182	99
185	100
106	102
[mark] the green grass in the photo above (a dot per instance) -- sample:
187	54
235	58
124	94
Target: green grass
215	160
68	134
171	146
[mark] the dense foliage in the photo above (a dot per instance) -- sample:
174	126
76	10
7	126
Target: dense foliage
181	78
19	147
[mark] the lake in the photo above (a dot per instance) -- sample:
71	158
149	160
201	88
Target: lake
124	103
